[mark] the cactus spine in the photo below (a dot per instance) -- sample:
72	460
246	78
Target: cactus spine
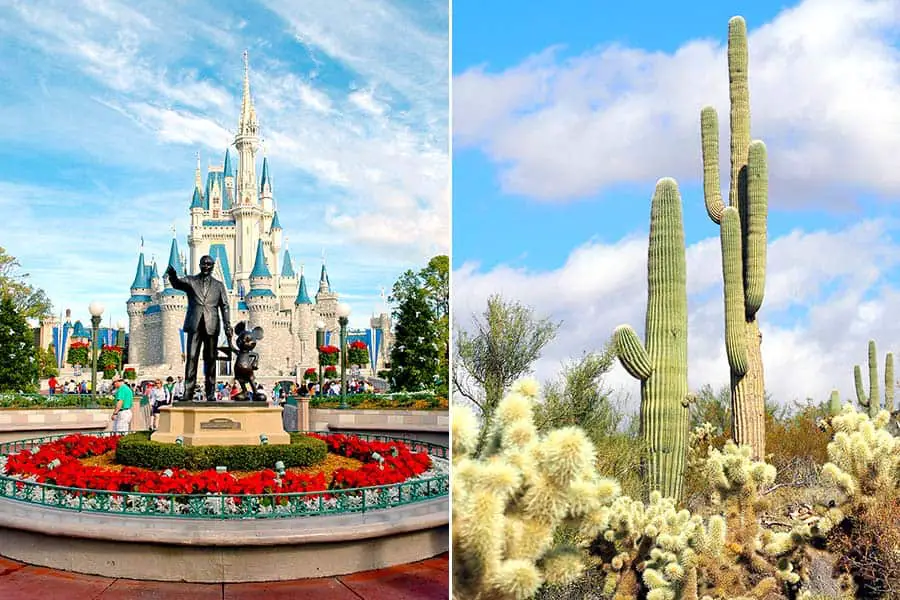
743	233
661	365
872	400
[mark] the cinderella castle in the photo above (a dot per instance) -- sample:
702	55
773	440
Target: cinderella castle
234	220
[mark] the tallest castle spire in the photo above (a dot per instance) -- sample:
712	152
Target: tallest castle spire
247	142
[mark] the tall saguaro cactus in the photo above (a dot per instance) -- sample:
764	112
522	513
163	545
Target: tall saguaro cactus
872	400
661	363
743	236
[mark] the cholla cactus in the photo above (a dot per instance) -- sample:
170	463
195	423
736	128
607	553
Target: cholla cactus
508	504
864	459
738	482
656	539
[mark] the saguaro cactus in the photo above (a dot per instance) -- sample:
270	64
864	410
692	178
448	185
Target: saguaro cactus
872	400
743	232
661	364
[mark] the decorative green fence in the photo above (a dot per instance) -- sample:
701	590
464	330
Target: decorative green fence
214	506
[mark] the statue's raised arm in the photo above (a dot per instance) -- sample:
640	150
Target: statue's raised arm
177	283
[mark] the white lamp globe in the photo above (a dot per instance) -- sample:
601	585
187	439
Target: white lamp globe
120	324
95	308
320	324
343	310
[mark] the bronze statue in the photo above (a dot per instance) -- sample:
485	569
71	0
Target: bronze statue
247	361
206	298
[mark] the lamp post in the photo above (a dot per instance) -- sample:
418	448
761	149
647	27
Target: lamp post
320	341
96	310
120	341
343	312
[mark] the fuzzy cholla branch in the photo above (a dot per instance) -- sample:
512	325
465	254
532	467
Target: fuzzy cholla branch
657	539
508	503
864	458
737	482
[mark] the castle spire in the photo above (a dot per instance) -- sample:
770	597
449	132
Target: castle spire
324	283
248	113
302	294
198	176
260	268
246	142
229	172
265	181
140	276
287	269
175	258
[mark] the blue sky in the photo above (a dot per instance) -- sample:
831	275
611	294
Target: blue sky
106	102
565	117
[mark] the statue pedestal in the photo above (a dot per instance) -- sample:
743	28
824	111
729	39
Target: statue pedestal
220	424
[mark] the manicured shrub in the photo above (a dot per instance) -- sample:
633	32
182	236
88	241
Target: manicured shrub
137	450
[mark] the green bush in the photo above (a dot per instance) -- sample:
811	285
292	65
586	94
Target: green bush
137	450
14	401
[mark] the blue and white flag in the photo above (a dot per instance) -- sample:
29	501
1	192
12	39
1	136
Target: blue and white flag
327	338
60	337
373	341
181	338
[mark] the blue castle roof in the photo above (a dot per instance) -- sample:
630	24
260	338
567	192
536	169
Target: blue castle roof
260	292
276	224
265	175
302	295
197	200
140	275
287	269
218	254
175	258
260	268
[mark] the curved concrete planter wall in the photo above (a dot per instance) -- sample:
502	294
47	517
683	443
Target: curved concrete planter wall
230	551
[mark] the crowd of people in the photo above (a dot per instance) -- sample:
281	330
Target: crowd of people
161	393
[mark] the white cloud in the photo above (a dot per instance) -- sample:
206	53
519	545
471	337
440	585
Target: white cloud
824	79
845	298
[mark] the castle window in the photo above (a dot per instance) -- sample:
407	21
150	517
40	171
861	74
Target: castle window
215	214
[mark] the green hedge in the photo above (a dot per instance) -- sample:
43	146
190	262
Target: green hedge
13	401
137	450
397	400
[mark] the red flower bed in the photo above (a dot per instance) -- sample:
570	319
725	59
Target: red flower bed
399	464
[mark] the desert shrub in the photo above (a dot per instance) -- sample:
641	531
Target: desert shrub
137	450
797	446
868	544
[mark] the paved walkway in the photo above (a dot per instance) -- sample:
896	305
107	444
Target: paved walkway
426	580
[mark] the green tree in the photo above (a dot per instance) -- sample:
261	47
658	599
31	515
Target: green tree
18	368
577	397
503	344
46	361
415	360
434	281
30	301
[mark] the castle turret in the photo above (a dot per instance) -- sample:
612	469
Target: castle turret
287	283
138	302
263	304
277	236
265	189
195	236
305	350
173	308
326	302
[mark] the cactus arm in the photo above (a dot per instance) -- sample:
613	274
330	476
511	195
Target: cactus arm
739	94
756	213
874	395
631	353
860	391
889	382
735	340
709	140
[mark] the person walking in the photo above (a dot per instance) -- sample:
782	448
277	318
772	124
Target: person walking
157	401
122	412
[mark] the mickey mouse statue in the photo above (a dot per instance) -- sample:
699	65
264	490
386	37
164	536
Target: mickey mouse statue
247	361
